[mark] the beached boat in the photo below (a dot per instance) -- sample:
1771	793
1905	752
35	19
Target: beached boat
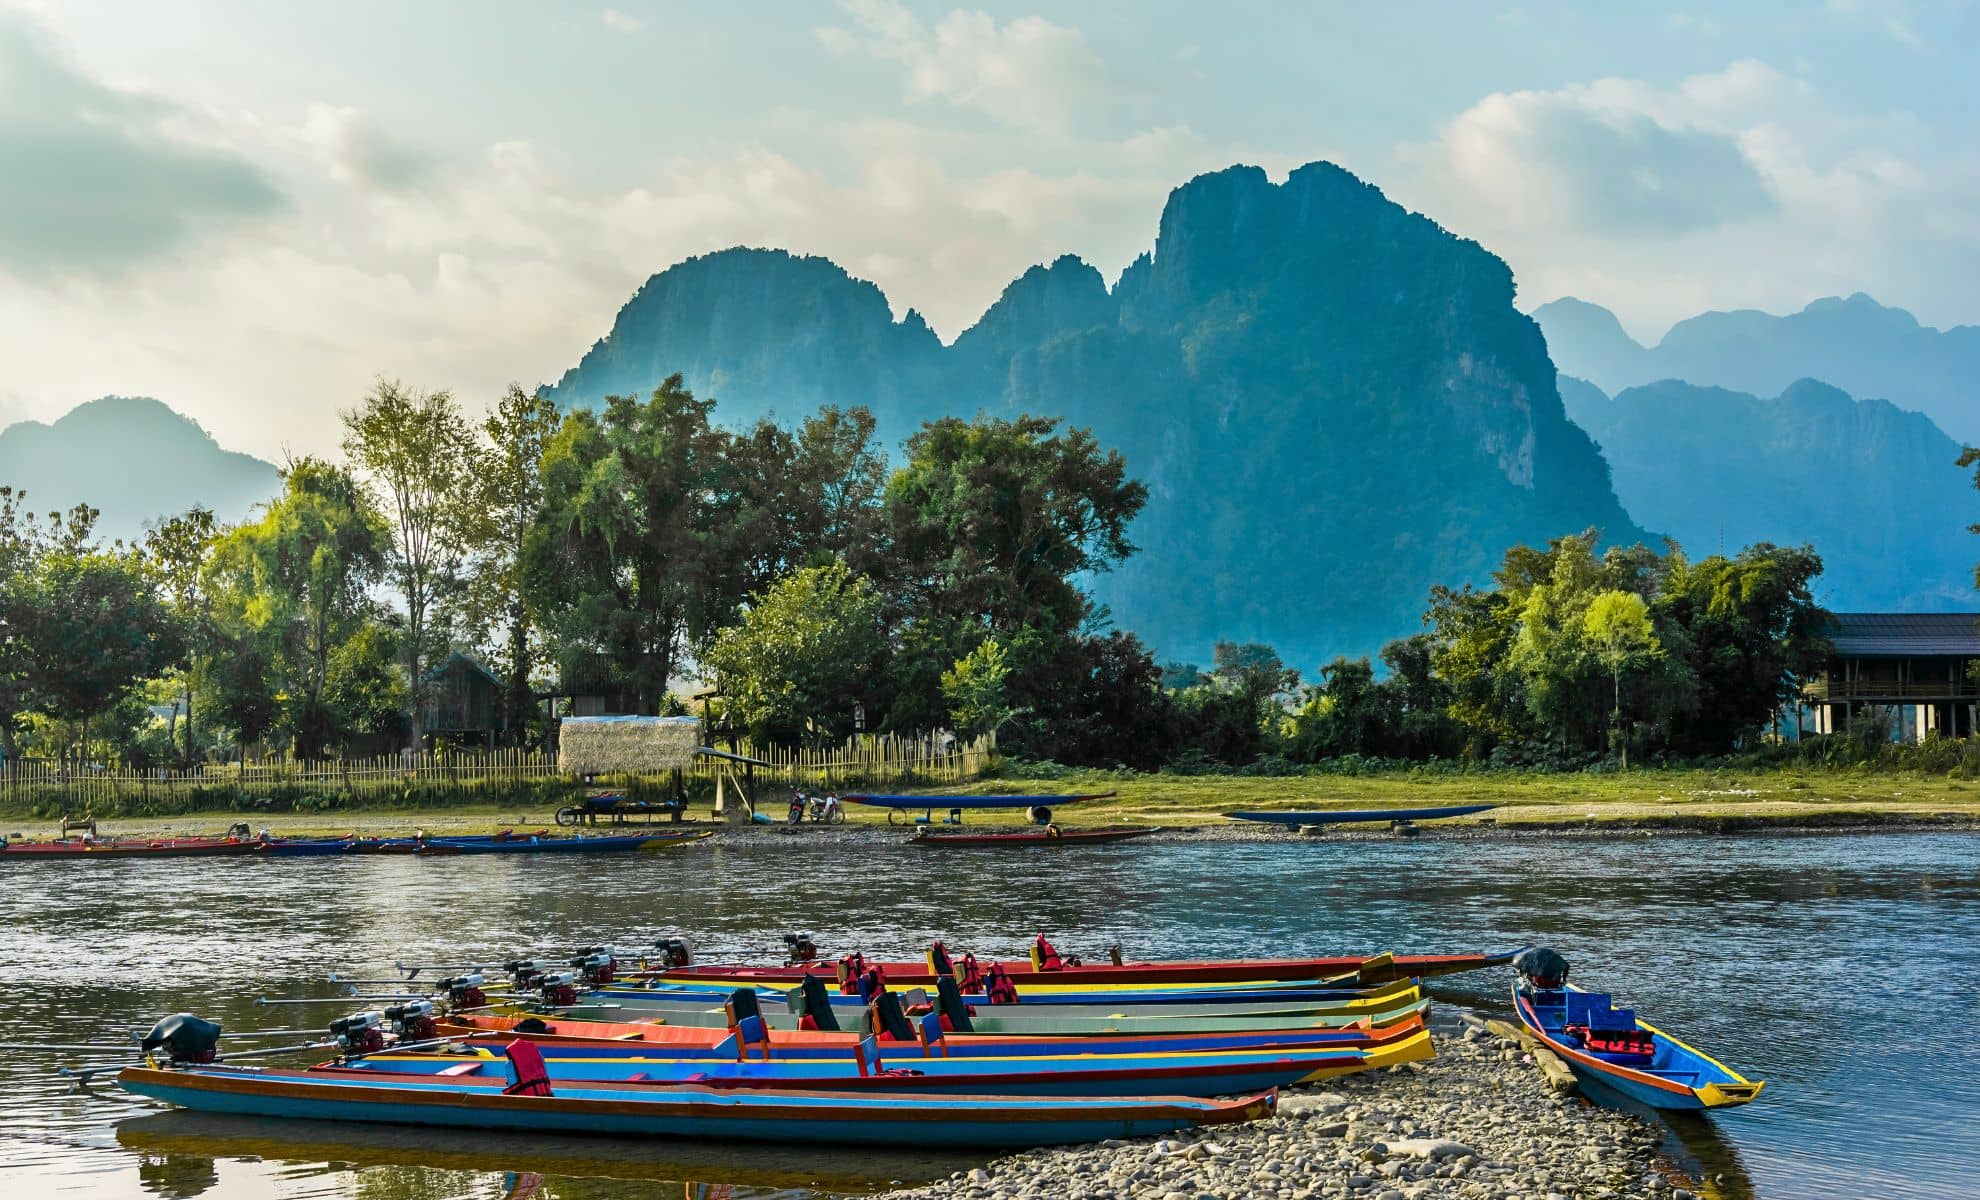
1611	1047
72	848
531	1102
721	1044
503	843
1051	836
1182	1073
1352	816
1125	1001
1048	968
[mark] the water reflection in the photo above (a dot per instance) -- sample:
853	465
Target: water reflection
1777	953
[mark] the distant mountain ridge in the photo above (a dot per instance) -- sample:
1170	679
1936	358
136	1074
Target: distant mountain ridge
1333	400
1872	486
134	459
1854	343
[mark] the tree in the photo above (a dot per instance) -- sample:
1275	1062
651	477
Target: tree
94	629
293	587
1255	673
976	690
630	559
1617	627
510	497
175	553
994	520
796	665
1752	631
417	451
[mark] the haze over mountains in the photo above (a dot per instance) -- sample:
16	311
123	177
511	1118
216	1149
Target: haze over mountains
1333	401
1855	344
134	459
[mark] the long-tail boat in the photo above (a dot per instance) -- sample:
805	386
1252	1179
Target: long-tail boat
528	1100
1049	837
1353	816
69	848
1179	1002
1049	968
499	843
1611	1047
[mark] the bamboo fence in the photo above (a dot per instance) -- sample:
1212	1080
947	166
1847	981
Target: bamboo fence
452	777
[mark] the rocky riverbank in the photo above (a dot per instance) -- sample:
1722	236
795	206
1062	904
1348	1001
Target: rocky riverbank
1478	1123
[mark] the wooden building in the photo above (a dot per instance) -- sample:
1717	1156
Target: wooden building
1915	665
463	703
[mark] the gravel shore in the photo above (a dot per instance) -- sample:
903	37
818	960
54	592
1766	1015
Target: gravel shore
1479	1123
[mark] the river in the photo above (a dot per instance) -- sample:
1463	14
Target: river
1843	970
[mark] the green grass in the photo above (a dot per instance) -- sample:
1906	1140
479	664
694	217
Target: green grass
1798	796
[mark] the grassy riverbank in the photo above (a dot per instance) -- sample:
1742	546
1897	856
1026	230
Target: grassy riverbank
1671	799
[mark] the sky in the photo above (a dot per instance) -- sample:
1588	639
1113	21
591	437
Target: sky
252	210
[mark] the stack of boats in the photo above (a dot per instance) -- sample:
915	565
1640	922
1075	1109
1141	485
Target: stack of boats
949	1051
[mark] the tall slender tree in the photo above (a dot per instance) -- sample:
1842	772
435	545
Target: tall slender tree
510	496
175	554
416	451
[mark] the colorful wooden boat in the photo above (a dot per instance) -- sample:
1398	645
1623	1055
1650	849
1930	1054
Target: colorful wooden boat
721	1043
1128	1001
72	848
1183	1073
504	843
1612	1048
1050	836
1353	816
1042	972
877	800
682	1110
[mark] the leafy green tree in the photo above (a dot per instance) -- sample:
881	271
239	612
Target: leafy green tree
1347	713
509	503
1752	632
977	690
94	630
1617	628
994	520
798	662
417	451
640	506
175	553
293	587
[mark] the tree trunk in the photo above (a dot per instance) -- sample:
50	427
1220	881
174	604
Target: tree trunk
1622	742
518	700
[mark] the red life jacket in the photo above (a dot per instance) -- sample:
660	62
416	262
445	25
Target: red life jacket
998	985
1044	957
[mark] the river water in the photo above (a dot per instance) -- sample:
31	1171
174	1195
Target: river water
1843	970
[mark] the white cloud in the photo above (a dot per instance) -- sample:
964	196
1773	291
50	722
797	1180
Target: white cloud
1731	188
620	22
1026	73
353	150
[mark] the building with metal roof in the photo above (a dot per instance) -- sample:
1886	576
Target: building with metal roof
1918	666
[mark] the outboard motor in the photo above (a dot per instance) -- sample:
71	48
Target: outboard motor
464	992
1540	969
799	948
559	988
413	1021
524	972
596	966
674	952
184	1038
360	1033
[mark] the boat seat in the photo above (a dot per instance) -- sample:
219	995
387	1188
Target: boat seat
461	1069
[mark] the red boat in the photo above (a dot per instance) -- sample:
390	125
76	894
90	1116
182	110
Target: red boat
191	847
1047	966
1051	835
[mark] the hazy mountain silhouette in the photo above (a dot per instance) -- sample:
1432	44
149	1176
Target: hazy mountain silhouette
1872	486
1333	400
1855	344
134	459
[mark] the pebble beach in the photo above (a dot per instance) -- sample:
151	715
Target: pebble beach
1479	1122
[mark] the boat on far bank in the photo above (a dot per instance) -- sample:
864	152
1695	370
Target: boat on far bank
1352	816
1051	835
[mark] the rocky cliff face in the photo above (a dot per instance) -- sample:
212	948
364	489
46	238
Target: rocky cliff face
1333	400
1872	486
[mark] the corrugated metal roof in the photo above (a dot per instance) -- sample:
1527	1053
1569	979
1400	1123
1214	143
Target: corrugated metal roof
1896	635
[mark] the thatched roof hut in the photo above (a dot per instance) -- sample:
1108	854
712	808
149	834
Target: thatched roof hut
626	745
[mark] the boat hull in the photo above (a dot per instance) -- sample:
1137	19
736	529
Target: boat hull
1379	968
1358	816
1678	1078
1030	838
877	1119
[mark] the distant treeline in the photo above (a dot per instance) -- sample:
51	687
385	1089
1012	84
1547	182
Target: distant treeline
819	593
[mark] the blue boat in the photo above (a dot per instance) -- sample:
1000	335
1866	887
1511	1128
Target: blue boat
1351	816
531	1102
1612	1048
